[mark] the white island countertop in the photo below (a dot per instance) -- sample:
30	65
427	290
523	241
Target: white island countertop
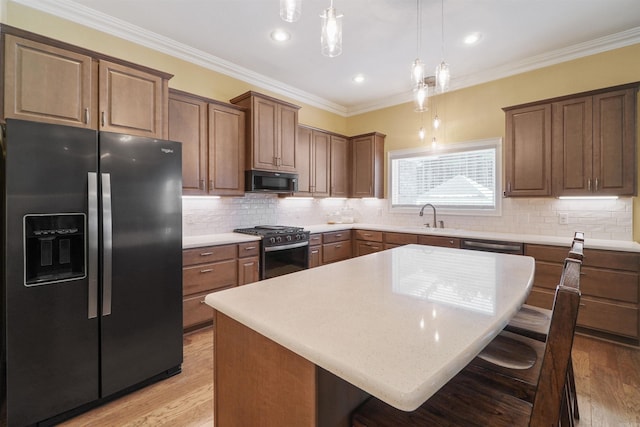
398	324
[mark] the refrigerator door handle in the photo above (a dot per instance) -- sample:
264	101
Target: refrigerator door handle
107	242
92	198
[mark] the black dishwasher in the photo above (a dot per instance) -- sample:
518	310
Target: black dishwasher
513	248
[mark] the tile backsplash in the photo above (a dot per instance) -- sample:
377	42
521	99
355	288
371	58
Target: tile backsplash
601	219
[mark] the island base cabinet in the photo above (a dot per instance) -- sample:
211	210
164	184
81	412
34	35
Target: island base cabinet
258	382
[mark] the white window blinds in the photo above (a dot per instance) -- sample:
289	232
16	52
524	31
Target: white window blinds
464	179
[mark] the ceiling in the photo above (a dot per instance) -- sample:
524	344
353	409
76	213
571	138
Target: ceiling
379	40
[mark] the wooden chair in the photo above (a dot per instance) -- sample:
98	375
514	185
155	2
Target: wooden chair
533	322
467	400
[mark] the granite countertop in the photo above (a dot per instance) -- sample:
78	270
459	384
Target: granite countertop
398	323
614	245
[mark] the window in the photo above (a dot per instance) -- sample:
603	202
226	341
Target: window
458	179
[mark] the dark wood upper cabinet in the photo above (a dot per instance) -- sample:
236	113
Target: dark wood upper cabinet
578	145
339	169
313	162
367	162
226	150
132	101
50	81
212	137
188	125
528	151
47	84
594	145
271	132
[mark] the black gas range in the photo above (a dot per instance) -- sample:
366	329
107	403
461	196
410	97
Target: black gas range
284	249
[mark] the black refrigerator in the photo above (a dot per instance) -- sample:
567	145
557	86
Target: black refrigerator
92	268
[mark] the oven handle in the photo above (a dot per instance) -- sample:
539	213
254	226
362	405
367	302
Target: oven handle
287	246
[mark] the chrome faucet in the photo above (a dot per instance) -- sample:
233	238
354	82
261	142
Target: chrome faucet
435	222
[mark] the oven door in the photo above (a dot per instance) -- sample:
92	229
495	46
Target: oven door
284	259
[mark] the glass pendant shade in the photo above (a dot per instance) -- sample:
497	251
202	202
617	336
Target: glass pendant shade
442	77
420	95
436	122
331	36
417	72
290	10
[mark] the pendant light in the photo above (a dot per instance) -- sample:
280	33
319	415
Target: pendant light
421	131
290	10
420	95
417	67
331	36
443	74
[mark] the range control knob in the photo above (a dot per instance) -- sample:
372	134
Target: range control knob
278	239
298	237
272	240
289	238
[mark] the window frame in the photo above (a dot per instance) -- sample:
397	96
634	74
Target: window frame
489	143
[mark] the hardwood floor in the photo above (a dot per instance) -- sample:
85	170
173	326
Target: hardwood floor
607	379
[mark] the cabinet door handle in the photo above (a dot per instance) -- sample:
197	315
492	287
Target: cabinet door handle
338	235
509	187
451	242
202	301
314	252
367	235
86	116
206	253
589	184
206	270
249	248
102	119
338	246
596	185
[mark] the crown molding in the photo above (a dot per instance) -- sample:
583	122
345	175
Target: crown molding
602	44
88	17
83	15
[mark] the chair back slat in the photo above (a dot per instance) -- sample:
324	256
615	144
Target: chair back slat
550	389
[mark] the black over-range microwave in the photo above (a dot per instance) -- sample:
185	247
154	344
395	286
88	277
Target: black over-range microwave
270	182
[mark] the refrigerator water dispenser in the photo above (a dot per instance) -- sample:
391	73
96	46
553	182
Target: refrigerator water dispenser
54	248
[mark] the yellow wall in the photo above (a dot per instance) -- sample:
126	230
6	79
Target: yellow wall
468	114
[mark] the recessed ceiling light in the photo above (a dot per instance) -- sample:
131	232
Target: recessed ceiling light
472	38
280	35
358	78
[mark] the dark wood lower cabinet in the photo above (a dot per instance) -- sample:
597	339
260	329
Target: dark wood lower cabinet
609	285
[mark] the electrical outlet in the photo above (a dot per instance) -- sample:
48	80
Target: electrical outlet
563	218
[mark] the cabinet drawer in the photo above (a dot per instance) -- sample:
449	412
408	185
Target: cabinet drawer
195	311
555	254
548	275
606	317
448	242
400	238
610	284
209	277
628	261
374	236
596	282
315	239
336	236
336	252
208	254
248	249
366	247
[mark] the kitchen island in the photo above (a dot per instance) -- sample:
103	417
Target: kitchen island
306	348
